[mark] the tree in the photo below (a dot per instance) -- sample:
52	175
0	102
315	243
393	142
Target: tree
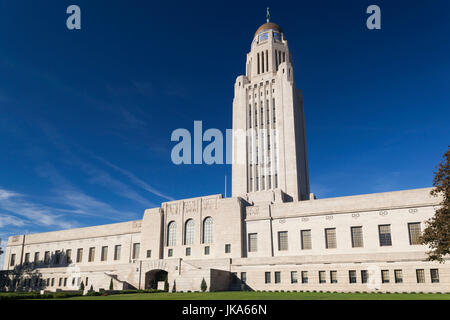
111	285
91	289
437	231
203	286
166	284
82	286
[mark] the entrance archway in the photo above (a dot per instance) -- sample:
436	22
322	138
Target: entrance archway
152	278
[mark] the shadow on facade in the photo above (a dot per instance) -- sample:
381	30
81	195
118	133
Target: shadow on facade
152	278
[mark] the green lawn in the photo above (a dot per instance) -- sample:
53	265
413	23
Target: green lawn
235	295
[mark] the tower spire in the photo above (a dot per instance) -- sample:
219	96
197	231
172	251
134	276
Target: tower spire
268	15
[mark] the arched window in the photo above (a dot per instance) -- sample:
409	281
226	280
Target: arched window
189	232
171	233
208	230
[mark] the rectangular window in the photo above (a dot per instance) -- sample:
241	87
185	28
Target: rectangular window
333	276
27	258
149	253
244	277
117	249
36	257
330	238
207	250
267	277
13	260
322	277
364	276
170	252
91	254
136	248
60	282
87	281
294	277
398	275
306	239
69	256
65	282
385	235
434	273
420	275
80	255
282	240
252	242
414	233
53	282
188	251
277	276
304	276
47	257
228	248
357	237
104	255
385	276
57	256
352	276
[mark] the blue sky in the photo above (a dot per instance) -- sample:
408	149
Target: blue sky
86	116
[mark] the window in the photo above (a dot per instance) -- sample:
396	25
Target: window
333	276
117	249
364	276
277	276
207	250
398	275
434	275
136	249
104	255
244	277
228	248
80	255
414	233
171	234
267	277
385	235
385	276
304	276
13	260
36	257
57	256
60	282
170	252
282	240
306	239
87	281
294	277
420	275
208	230
322	277
91	254
352	276
53	282
189	232
149	253
27	258
330	238
47	257
188	251
357	237
69	256
65	282
252	242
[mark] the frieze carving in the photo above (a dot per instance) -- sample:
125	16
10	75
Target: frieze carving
252	211
413	210
329	217
190	206
305	219
355	215
282	221
137	224
209	204
383	213
172	208
15	238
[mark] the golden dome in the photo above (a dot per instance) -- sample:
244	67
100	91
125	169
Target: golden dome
269	26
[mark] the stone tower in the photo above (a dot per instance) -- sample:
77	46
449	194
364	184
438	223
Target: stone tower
268	107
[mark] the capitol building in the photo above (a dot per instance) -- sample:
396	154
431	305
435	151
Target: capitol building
271	234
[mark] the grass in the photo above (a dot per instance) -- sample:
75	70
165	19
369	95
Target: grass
239	295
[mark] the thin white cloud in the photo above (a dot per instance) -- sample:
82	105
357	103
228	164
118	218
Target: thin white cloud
136	180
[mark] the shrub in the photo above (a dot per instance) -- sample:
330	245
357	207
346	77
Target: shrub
111	285
82	286
203	285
